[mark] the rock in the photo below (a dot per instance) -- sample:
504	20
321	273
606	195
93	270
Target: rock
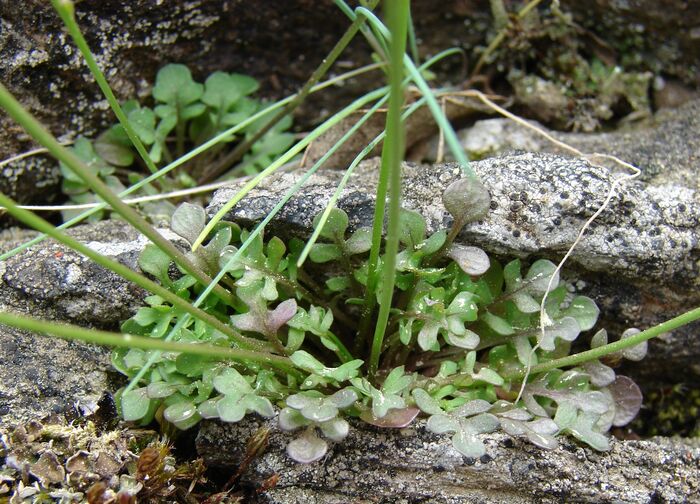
52	281
658	34
538	203
31	180
639	260
667	150
40	375
414	465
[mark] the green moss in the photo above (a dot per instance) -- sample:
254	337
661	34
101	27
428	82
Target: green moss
672	411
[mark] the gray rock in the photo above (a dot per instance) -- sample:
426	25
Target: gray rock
666	150
51	281
414	465
639	260
31	180
539	202
40	375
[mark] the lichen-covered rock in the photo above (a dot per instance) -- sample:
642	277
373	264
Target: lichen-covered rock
639	260
40	375
51	281
278	44
538	204
666	150
31	180
413	465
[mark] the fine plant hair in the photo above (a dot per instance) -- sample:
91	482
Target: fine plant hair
380	324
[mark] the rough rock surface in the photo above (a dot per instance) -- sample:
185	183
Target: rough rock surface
52	281
538	202
666	150
639	260
40	375
413	465
31	180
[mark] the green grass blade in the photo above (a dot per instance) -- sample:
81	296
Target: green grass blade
40	224
297	148
343	182
316	76
105	338
343	353
602	351
66	10
443	123
336	195
190	155
392	156
412	42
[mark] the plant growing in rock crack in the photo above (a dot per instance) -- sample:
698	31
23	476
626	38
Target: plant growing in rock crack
381	329
461	330
185	114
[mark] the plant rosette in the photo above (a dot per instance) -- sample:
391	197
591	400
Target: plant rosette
463	330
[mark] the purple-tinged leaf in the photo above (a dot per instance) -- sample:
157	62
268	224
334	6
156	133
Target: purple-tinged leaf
467	200
250	321
290	419
628	400
395	418
282	314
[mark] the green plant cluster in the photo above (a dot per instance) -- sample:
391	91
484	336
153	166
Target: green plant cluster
472	344
462	329
185	114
